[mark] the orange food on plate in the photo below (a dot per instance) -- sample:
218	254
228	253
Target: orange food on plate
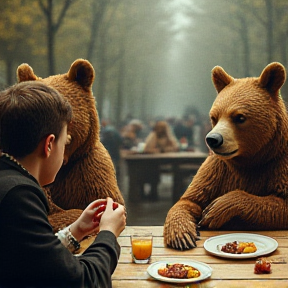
239	247
179	271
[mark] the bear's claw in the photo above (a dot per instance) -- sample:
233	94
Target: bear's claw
183	240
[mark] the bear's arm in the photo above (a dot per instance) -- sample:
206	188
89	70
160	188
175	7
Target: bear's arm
259	203
240	210
180	228
206	184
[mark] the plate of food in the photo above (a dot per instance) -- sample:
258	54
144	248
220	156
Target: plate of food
179	271
240	245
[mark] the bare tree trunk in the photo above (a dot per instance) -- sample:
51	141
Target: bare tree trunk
98	13
246	45
144	96
9	73
103	62
52	28
100	86
50	37
269	30
120	89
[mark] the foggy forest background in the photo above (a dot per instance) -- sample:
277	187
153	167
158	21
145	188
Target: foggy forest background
151	57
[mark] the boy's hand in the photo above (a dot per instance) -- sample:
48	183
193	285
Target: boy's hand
113	220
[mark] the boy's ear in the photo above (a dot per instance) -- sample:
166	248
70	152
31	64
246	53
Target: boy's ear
48	144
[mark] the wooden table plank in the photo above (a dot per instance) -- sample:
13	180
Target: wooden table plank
155	230
158	241
204	284
158	231
220	271
126	258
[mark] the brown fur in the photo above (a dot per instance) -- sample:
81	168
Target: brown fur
243	184
161	139
88	173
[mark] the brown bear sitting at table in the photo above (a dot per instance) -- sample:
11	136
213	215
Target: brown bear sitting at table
161	139
88	172
243	183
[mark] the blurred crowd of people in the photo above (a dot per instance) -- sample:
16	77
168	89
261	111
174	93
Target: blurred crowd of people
155	136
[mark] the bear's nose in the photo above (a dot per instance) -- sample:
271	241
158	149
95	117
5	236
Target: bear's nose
214	140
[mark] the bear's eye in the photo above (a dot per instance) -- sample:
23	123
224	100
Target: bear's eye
213	121
240	118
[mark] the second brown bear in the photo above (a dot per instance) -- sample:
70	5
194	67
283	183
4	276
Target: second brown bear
243	184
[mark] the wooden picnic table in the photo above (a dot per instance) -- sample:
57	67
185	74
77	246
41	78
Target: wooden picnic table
227	273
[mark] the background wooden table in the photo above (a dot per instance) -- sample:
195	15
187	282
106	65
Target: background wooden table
146	168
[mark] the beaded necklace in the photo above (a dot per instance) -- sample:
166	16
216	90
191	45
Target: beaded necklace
11	158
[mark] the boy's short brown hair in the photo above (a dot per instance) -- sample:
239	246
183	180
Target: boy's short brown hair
30	111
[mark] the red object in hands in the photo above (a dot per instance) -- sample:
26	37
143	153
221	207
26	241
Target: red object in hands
101	209
262	266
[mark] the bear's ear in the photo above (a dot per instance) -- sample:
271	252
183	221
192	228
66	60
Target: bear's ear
273	77
82	72
25	73
220	78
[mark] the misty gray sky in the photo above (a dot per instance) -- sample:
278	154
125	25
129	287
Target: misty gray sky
177	85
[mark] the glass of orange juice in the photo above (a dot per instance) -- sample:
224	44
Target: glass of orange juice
141	247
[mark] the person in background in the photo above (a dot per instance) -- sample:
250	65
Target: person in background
161	139
113	142
131	134
33	134
183	133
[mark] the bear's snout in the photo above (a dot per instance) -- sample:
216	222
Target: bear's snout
214	140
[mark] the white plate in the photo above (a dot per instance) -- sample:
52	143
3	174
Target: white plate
204	269
264	245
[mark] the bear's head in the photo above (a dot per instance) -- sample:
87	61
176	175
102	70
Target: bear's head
248	116
76	86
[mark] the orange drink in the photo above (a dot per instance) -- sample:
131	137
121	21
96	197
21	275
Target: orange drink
141	247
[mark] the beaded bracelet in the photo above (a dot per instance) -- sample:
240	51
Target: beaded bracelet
68	240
